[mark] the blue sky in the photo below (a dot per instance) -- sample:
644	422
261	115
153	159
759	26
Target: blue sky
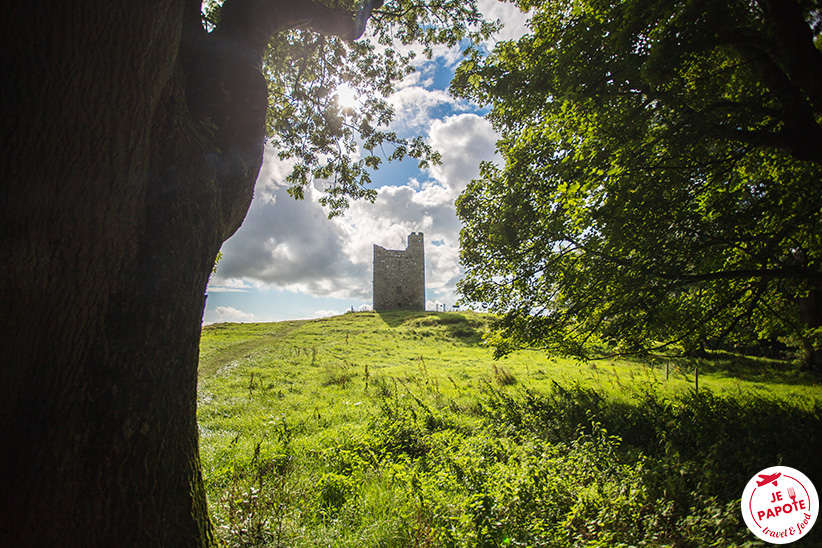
289	261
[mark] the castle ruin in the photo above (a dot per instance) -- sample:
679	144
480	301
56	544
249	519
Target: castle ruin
399	276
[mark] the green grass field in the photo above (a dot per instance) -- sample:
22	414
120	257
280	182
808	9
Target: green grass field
399	429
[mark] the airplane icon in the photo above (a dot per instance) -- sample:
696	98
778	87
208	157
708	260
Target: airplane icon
767	478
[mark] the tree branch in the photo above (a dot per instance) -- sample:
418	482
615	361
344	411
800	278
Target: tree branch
801	135
250	24
762	274
226	93
756	295
794	45
688	279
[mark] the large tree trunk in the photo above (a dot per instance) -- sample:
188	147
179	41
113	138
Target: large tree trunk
132	141
109	229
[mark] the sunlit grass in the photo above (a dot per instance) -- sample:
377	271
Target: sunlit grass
399	429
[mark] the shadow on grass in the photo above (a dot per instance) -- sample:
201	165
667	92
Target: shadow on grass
754	369
466	327
720	440
396	318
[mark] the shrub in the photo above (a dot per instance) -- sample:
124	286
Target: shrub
333	491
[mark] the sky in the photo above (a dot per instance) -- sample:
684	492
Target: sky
289	261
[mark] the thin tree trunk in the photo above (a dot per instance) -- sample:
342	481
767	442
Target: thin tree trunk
810	314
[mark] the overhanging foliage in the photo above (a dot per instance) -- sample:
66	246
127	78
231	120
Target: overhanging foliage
662	181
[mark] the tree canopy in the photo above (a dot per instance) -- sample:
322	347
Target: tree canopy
337	143
662	183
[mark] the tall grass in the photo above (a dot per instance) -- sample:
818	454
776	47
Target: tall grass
401	432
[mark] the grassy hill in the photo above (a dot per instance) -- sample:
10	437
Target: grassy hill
398	429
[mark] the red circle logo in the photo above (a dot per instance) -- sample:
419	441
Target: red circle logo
780	505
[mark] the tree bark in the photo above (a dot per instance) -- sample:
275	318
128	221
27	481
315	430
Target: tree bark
810	314
133	140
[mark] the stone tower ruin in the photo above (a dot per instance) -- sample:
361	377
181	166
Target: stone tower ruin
399	276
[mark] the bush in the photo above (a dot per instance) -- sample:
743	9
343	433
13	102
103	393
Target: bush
674	473
333	491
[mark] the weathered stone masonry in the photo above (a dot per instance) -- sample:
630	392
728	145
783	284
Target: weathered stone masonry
399	276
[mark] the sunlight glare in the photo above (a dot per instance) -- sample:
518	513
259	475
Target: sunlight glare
347	98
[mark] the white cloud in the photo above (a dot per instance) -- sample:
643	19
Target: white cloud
231	285
271	180
465	140
416	107
289	244
513	20
231	314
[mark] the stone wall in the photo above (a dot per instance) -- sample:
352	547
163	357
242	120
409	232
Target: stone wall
399	276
